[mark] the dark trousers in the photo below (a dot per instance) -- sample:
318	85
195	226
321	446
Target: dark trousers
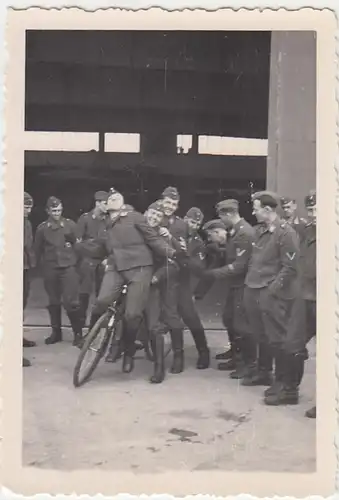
91	273
138	281
162	308
62	286
268	315
302	325
234	315
26	286
189	314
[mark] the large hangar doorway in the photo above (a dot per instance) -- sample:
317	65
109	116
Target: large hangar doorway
161	86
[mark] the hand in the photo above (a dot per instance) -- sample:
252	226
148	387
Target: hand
183	244
163	231
154	280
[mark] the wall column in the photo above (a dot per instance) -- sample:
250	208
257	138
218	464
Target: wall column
291	161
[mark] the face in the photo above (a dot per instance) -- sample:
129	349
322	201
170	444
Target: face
312	213
154	217
289	209
27	210
101	206
115	202
261	213
170	206
55	212
217	235
193	225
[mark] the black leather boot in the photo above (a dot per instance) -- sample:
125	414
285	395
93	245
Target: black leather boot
84	301
263	374
159	362
26	362
55	317
311	413
76	320
289	392
247	362
278	372
177	337
204	359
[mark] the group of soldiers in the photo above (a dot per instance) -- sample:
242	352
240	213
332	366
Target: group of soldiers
268	273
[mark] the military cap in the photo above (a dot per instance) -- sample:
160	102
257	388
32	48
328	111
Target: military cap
286	200
311	199
214	224
28	200
156	205
195	214
226	205
101	196
112	191
171	192
53	202
270	194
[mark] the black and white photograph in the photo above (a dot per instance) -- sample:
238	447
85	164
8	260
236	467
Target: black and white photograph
170	250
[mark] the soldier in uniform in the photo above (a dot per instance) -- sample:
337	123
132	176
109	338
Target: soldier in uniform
128	243
54	247
308	268
233	271
29	263
91	271
177	226
192	266
179	230
290	208
271	289
162	309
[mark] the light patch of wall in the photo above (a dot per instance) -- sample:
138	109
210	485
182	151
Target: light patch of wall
232	146
184	143
60	141
122	143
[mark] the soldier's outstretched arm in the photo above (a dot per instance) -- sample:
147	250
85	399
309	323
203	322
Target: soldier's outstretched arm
239	265
157	244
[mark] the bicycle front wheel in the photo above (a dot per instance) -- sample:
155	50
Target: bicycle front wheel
94	348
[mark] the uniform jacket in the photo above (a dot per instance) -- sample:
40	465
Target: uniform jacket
54	243
195	259
238	252
298	224
215	256
166	268
89	229
129	242
29	255
177	227
308	263
275	259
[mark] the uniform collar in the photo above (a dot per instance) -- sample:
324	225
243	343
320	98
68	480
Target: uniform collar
272	227
55	224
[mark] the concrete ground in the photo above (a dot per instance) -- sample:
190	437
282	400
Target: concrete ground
198	420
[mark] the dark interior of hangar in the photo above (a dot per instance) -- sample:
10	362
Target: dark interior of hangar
156	84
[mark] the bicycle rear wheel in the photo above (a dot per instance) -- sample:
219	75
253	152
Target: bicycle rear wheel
95	346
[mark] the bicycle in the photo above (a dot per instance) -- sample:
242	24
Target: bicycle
106	336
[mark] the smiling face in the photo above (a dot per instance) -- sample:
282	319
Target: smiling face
260	212
217	235
170	206
154	217
55	213
289	209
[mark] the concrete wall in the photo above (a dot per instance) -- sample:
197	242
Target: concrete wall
291	162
